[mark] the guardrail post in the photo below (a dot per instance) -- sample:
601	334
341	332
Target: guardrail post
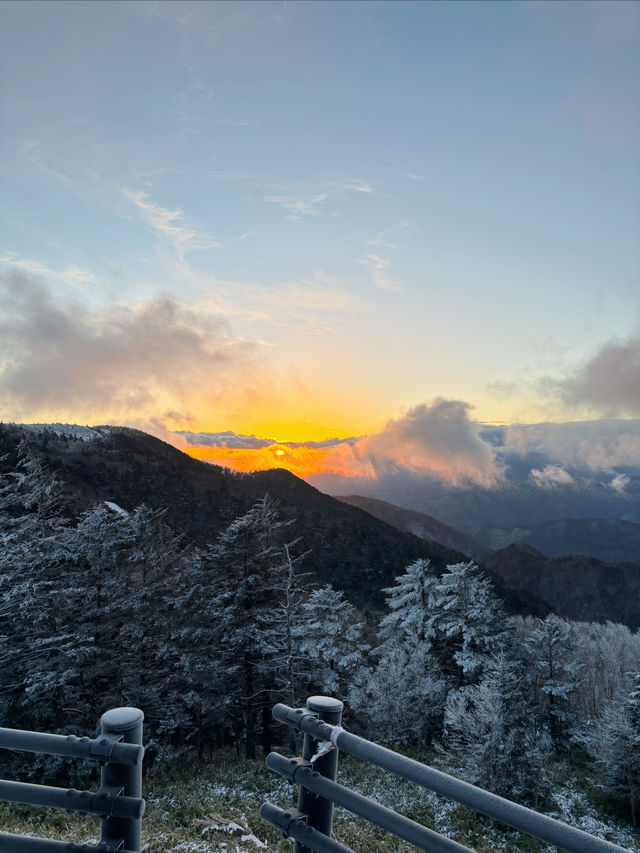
124	723
318	809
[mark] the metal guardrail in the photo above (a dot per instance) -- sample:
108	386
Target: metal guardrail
118	801
320	722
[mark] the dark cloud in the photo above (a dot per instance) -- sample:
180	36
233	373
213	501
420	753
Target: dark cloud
58	355
608	383
238	441
227	438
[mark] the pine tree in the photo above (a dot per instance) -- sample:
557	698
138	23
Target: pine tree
553	675
330	639
617	748
467	623
489	729
401	697
407	635
32	556
249	570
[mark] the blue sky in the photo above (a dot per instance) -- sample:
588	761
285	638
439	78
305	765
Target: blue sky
302	219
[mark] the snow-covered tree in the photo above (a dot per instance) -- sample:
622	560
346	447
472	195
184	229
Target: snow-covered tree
330	639
32	556
552	671
401	697
405	654
607	655
410	603
489	729
617	748
466	621
249	568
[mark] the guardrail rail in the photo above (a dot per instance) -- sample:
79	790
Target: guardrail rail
309	825
118	801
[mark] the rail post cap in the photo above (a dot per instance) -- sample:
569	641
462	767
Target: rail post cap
121	719
324	703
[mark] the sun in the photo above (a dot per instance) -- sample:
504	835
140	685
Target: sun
279	452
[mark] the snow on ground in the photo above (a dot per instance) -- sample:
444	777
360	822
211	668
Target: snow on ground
85	433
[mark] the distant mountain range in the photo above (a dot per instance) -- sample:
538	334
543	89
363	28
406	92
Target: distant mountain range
358	544
420	524
577	587
609	539
347	547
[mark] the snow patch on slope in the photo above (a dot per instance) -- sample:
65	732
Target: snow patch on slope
84	433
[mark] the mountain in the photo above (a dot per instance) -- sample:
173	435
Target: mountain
421	525
608	539
577	587
348	547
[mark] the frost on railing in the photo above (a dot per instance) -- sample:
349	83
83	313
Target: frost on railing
315	772
118	801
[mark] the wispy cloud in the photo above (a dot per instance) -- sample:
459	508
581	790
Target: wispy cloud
77	276
299	203
389	237
380	271
171	226
309	199
298	198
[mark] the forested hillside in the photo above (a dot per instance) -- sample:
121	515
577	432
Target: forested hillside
343	545
112	604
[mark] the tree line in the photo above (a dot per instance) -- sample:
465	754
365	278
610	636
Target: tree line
117	608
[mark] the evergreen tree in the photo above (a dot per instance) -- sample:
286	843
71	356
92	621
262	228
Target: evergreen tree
330	639
249	571
467	623
489	728
553	675
407	635
617	748
400	698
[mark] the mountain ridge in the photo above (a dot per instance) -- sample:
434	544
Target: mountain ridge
348	547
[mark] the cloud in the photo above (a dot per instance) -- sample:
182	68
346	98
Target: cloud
433	441
389	236
230	26
597	445
233	440
619	484
551	477
437	439
226	439
308	199
299	204
609	382
77	276
60	357
379	269
170	225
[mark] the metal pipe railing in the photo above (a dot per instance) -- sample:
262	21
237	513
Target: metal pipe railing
291	824
319	811
526	820
118	801
88	802
10	843
89	749
296	770
123	724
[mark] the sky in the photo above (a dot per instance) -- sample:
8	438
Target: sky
320	234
